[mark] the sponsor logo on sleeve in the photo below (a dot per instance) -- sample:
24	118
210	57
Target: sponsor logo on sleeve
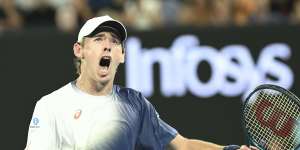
35	122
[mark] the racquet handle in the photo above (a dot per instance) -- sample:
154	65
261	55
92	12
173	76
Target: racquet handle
231	147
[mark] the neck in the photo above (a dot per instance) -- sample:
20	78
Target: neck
93	87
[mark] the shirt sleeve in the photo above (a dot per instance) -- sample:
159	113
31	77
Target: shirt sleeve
155	134
42	131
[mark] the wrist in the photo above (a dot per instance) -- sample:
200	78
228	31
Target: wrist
231	147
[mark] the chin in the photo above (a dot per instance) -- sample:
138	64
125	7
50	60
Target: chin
104	80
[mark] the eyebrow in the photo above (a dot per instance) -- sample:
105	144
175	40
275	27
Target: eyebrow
101	34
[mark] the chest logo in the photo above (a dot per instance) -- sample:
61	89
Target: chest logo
77	114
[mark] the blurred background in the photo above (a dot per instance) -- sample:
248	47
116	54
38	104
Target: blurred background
68	15
195	60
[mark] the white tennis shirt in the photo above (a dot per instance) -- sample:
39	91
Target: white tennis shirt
69	119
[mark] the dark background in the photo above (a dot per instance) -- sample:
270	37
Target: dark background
38	61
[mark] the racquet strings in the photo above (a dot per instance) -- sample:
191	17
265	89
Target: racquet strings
264	134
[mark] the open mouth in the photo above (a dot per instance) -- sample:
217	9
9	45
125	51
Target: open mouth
105	61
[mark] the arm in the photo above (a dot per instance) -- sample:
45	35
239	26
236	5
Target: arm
182	143
42	133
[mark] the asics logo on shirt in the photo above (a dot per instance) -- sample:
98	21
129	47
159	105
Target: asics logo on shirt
77	114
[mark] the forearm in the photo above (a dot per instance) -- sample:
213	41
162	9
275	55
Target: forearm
192	144
182	143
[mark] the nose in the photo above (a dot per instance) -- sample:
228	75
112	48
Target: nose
107	49
107	45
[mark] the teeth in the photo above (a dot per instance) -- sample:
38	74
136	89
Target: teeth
103	67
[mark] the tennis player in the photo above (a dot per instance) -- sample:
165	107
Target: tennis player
92	113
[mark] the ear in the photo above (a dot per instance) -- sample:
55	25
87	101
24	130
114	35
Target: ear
122	59
77	49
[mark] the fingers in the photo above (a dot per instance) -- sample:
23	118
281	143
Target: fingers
253	148
244	147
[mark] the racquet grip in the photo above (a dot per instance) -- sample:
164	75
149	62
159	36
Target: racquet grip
231	147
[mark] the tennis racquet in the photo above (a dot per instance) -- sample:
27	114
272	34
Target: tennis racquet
271	117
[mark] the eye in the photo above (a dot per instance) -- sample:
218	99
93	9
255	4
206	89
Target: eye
116	41
99	39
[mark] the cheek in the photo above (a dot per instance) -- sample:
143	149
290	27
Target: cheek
91	58
119	58
117	55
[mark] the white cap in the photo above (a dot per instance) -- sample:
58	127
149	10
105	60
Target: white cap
104	21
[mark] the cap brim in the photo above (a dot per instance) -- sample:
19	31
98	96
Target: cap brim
103	28
111	26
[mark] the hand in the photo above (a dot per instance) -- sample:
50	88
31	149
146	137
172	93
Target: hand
236	147
244	147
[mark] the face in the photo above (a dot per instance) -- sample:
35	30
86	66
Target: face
100	56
